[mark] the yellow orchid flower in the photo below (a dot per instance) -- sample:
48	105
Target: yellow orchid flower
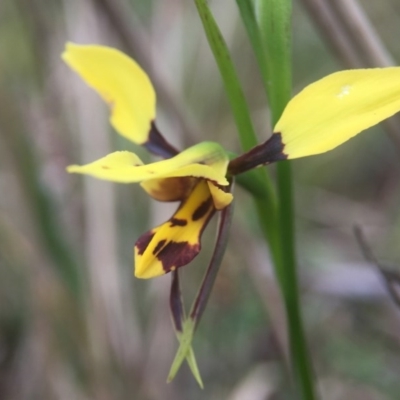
195	177
321	117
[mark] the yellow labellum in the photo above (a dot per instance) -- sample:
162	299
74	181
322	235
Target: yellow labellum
176	242
121	83
332	110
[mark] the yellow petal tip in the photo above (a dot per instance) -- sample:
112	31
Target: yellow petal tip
122	84
72	169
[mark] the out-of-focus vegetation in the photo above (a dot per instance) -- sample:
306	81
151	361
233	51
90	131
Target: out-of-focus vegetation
75	324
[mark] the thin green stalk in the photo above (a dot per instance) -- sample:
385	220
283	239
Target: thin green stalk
272	47
232	86
243	122
274	18
247	12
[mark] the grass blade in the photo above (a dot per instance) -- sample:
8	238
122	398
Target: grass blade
241	114
274	17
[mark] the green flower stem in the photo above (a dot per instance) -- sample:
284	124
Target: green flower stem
232	86
240	110
271	41
274	17
201	299
247	12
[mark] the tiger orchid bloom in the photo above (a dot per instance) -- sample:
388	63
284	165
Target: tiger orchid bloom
196	177
322	116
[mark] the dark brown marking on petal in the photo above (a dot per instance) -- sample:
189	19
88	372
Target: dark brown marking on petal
274	148
177	222
105	167
263	154
175	302
144	240
157	144
177	254
159	246
202	209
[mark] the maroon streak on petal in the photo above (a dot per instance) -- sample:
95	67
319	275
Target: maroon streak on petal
263	154
177	222
159	246
202	209
177	254
158	145
175	302
144	240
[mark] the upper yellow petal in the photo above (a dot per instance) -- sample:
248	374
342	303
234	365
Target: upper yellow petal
121	83
206	160
334	109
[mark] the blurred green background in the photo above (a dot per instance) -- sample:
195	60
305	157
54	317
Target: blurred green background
75	324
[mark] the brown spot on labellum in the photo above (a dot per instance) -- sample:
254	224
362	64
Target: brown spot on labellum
159	246
177	222
177	254
143	242
105	167
202	209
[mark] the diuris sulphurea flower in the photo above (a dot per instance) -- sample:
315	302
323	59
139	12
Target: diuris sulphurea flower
196	176
322	116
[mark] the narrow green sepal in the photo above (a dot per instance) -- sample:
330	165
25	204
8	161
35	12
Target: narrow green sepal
178	318
185	341
194	369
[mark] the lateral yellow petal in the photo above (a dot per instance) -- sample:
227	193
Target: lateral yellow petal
221	198
206	160
176	242
332	110
117	167
121	83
